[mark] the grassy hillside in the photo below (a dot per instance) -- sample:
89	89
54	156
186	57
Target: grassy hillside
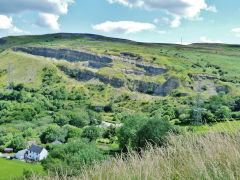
183	62
68	87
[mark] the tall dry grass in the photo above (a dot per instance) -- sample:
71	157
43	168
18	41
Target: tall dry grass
191	156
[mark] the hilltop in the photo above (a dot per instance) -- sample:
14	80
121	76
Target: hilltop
147	68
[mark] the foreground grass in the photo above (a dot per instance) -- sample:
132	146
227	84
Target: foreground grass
10	169
191	156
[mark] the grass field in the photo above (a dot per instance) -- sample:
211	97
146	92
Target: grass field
10	169
227	126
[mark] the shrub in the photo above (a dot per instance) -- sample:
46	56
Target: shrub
154	131
52	133
18	143
61	120
127	134
91	133
207	116
223	113
79	118
70	158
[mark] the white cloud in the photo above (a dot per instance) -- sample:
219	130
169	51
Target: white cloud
204	39
164	20
16	30
5	22
156	20
236	31
161	32
212	9
176	22
45	6
188	9
48	20
49	10
123	27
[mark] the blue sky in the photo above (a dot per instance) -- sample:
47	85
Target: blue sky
162	21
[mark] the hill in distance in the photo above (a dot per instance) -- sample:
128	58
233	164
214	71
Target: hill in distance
145	68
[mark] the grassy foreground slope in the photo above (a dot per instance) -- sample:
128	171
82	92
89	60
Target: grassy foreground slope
191	156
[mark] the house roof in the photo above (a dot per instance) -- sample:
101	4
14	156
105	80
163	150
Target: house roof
22	152
36	149
8	149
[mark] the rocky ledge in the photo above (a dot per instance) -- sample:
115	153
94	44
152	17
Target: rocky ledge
95	61
151	88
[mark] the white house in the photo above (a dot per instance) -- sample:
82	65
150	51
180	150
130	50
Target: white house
21	154
36	153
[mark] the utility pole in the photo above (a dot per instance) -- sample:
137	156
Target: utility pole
181	41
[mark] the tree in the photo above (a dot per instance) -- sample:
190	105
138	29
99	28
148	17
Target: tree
154	132
110	132
18	143
109	107
223	113
73	132
126	134
52	133
207	116
69	159
61	120
79	118
91	133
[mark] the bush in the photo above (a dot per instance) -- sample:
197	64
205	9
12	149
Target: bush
70	158
91	133
236	115
138	130
110	132
52	133
79	118
207	116
223	113
61	120
109	107
127	134
184	118
154	132
18	143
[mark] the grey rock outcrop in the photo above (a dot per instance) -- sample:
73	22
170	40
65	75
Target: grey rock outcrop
2	41
69	55
133	85
94	61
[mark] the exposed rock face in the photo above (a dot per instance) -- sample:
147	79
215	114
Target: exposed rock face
205	76
69	55
2	41
152	70
131	56
222	89
94	61
133	85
